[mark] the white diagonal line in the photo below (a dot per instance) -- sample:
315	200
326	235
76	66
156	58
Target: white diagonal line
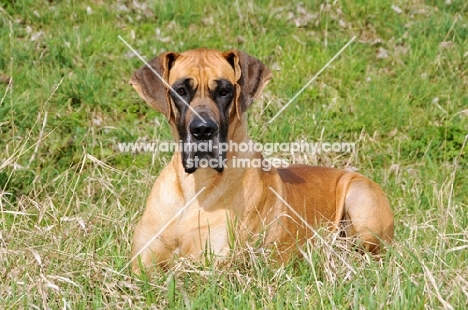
161	78
312	79
161	230
316	234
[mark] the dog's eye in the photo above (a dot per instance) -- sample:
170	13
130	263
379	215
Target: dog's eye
223	92
181	91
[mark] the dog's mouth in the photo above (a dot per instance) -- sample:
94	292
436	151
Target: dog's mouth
201	147
202	154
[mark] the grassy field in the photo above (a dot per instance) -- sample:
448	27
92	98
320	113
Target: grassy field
69	200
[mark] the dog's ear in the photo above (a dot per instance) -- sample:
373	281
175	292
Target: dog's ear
251	75
149	85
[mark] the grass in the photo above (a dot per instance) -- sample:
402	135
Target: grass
69	201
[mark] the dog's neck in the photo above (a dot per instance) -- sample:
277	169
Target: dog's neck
229	178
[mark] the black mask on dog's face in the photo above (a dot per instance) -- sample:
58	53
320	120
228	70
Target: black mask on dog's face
202	122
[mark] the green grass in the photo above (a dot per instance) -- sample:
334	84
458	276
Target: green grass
69	201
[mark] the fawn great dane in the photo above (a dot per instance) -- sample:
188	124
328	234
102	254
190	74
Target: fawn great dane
206	103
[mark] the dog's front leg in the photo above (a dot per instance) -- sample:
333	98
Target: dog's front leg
151	245
154	239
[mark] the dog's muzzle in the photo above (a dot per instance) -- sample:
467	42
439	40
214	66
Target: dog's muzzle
201	145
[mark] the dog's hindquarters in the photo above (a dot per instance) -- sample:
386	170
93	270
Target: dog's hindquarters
332	197
368	216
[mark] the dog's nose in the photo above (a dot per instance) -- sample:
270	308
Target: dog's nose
203	131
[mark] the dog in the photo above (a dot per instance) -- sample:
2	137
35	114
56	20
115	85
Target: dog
194	209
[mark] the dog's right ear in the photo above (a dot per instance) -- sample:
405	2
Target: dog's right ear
147	82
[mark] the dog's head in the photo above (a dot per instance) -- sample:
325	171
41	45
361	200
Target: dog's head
203	93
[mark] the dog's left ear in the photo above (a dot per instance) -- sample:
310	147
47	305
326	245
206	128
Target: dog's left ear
252	76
